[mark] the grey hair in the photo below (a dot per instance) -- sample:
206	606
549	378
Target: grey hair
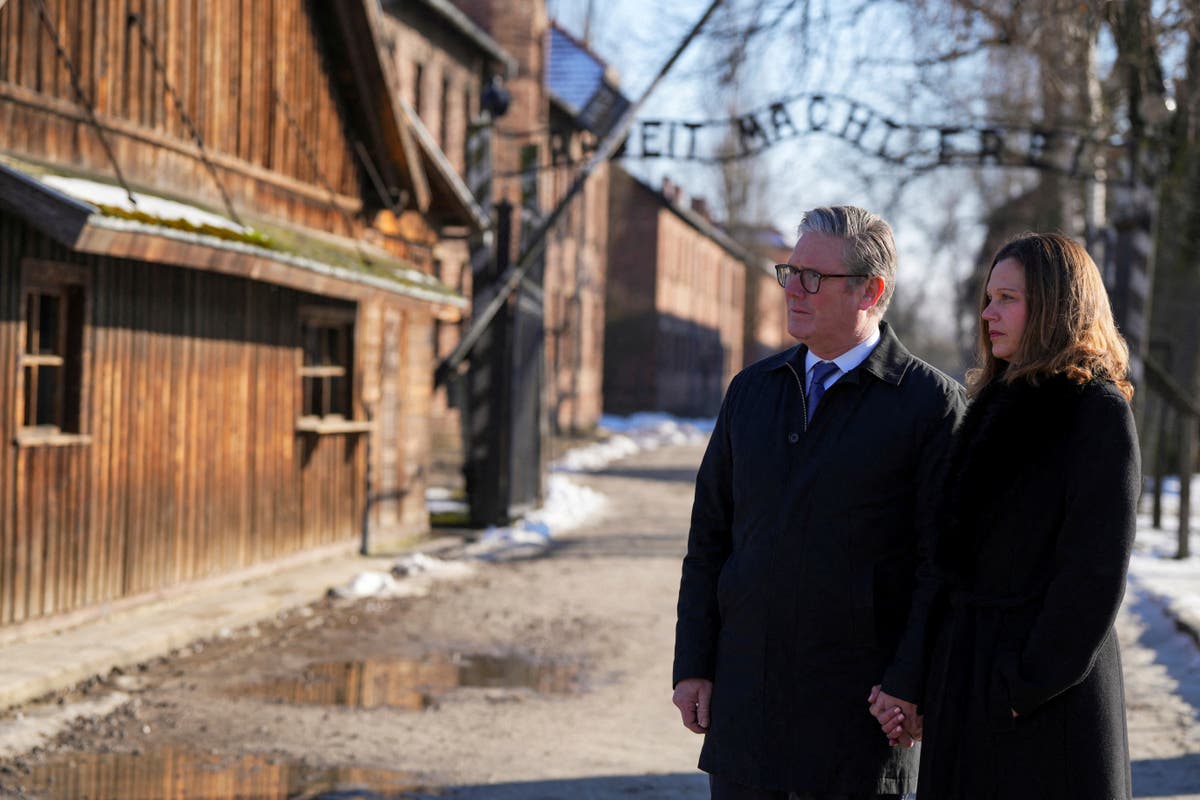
870	247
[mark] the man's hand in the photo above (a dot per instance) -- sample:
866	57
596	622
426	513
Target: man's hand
897	718
692	696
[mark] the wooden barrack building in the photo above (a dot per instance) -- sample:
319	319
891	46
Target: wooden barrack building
216	295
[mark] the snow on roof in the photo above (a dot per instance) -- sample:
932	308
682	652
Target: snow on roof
105	194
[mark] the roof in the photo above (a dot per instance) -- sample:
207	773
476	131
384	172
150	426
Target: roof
577	79
91	215
704	226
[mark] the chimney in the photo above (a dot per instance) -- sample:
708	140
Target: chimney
700	206
670	190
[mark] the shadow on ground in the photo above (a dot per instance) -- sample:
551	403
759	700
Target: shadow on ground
630	545
667	787
667	474
1170	777
1177	776
1173	649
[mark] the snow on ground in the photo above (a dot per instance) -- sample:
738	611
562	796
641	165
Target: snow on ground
1173	583
567	506
644	431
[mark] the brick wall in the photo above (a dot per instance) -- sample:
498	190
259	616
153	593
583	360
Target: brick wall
676	308
631	326
766	316
576	266
700	307
576	253
518	26
441	74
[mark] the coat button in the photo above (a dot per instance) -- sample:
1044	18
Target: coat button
793	438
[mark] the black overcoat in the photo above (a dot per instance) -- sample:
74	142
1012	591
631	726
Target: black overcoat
1039	523
801	567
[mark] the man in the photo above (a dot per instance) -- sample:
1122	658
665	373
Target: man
814	509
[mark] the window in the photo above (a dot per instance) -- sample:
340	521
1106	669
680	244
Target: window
528	156
418	80
326	336
468	117
444	115
53	311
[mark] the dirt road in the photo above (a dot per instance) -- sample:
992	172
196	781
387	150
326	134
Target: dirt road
543	678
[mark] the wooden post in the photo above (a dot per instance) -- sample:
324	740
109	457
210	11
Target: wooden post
1160	458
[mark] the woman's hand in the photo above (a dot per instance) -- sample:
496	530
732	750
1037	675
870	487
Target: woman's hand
898	719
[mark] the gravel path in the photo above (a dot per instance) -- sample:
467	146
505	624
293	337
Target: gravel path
577	651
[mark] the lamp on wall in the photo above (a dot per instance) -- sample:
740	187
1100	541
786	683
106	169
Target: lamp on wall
495	99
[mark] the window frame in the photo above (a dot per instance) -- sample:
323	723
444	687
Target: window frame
343	320
72	283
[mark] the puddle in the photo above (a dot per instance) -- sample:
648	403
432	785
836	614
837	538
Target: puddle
169	774
412	683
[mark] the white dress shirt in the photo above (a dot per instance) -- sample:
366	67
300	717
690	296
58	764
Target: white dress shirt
845	362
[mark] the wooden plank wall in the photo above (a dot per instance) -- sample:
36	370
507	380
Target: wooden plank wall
194	466
226	61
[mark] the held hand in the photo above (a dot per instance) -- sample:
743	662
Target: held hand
692	697
897	718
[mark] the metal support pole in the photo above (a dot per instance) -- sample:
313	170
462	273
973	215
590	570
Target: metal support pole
1160	459
1187	462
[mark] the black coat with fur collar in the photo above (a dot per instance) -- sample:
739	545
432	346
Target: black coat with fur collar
1039	521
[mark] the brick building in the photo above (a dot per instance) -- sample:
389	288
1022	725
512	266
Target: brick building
675	302
564	98
584	105
766	308
442	62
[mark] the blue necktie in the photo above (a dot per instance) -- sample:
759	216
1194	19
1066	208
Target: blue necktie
821	371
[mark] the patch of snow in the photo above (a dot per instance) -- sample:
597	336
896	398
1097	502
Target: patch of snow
411	576
521	540
568	506
632	434
379	584
424	564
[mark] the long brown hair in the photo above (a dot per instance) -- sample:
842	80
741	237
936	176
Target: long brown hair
1069	327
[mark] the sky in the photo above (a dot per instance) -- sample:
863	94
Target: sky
810	170
865	51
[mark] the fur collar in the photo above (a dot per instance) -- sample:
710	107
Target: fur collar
1007	428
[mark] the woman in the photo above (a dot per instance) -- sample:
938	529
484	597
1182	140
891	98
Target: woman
1024	697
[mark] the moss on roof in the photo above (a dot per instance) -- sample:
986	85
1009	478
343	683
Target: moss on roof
248	236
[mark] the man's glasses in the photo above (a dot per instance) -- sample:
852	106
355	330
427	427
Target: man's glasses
810	279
